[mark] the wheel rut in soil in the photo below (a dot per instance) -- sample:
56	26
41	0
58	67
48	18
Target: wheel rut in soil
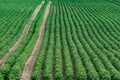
28	68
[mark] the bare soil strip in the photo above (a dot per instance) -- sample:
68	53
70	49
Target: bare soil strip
28	68
23	35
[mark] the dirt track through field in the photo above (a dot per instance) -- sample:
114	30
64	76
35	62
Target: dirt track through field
28	68
23	35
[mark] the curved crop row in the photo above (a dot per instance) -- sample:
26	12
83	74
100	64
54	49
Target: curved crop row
12	69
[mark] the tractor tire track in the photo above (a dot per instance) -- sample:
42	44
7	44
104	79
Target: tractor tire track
28	68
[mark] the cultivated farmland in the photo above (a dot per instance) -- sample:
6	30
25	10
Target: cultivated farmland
59	40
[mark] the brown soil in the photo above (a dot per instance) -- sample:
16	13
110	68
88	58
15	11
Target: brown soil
23	35
28	68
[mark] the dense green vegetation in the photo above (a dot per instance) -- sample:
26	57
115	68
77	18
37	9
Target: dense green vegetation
13	17
19	4
81	39
81	42
12	69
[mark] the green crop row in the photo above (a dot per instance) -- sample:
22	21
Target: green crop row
78	48
81	42
93	46
13	21
14	32
12	69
